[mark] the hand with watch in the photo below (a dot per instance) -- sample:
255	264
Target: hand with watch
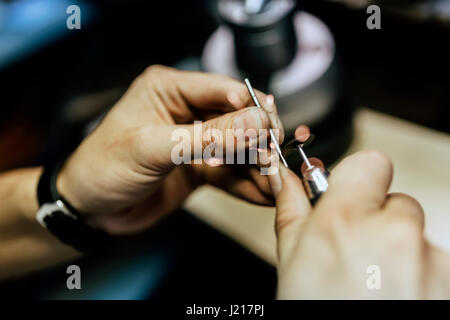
121	179
61	219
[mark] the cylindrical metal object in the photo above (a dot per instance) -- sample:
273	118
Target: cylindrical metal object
265	41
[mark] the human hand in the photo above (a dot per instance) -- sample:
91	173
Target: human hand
324	252
122	177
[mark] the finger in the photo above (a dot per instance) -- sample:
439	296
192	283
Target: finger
180	144
248	121
359	183
404	206
293	209
302	133
206	91
199	90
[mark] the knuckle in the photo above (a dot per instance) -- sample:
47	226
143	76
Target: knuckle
142	133
140	137
135	137
155	71
156	68
240	90
137	142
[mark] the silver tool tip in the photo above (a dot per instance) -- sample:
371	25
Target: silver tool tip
305	158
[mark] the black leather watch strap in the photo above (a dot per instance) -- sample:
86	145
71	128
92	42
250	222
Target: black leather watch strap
61	219
47	191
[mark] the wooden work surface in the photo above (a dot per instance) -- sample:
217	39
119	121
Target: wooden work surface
421	159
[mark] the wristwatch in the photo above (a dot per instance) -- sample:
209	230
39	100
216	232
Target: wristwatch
62	219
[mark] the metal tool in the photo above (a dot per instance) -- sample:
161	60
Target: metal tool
272	135
291	147
314	179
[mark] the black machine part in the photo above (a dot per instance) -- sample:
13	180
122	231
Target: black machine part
265	39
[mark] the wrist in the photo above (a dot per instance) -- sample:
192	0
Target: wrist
67	187
61	218
25	195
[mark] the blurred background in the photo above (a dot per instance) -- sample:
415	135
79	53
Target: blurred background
317	57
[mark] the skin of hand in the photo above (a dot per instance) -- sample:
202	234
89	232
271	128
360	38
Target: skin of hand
324	252
122	177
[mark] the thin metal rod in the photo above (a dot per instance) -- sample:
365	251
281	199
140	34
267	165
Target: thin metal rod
252	92
305	158
272	135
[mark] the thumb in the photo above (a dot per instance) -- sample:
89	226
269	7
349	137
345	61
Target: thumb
186	144
293	209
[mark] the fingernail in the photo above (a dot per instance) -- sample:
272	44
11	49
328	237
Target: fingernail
302	133
270	99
